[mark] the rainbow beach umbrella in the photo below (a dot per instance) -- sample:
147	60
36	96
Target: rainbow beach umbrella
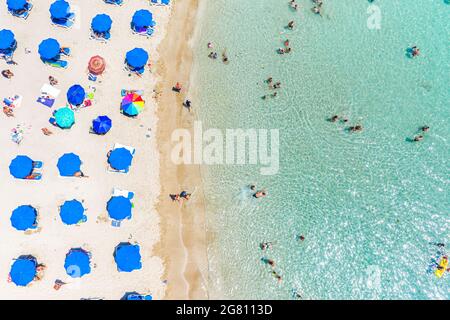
132	104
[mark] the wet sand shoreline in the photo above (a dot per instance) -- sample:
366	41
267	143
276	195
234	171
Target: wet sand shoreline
183	233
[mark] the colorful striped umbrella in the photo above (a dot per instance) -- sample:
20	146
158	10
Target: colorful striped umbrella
132	104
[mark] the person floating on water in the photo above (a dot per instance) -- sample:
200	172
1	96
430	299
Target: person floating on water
277	276
265	245
294	5
291	25
225	57
260	194
415	51
357	128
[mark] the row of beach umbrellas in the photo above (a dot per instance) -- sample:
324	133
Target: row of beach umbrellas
65	117
69	164
77	263
71	212
50	50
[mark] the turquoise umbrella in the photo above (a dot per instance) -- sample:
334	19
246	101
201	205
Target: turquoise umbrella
65	118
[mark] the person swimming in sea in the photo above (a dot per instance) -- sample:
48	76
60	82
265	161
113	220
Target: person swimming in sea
415	51
418	138
294	5
425	128
277	276
265	246
291	25
334	118
357	128
260	194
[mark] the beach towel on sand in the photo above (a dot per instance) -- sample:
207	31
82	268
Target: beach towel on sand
48	95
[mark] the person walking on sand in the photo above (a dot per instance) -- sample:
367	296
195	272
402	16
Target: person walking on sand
185	195
187	104
177	87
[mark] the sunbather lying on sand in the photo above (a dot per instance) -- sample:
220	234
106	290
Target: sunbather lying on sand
7	74
46	131
8	111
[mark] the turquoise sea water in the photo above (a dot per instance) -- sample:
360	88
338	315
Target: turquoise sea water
367	203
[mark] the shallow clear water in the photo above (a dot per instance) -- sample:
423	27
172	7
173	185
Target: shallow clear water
368	203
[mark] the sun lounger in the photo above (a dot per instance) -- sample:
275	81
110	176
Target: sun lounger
24	14
115	223
116	2
124	193
160	2
148	32
65	51
37	164
124	92
63	23
34	176
57	63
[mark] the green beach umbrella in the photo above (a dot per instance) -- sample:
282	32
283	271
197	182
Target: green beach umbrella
65	118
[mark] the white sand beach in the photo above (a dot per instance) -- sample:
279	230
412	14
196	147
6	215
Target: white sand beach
50	243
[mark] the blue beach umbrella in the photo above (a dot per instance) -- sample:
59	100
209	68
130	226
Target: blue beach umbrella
76	95
16	5
24	218
134	296
23	271
119	208
21	167
60	9
69	164
137	58
72	212
101	125
142	18
65	117
7	39
77	263
49	49
127	257
120	159
101	23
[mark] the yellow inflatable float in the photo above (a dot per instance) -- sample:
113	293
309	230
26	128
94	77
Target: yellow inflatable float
442	267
